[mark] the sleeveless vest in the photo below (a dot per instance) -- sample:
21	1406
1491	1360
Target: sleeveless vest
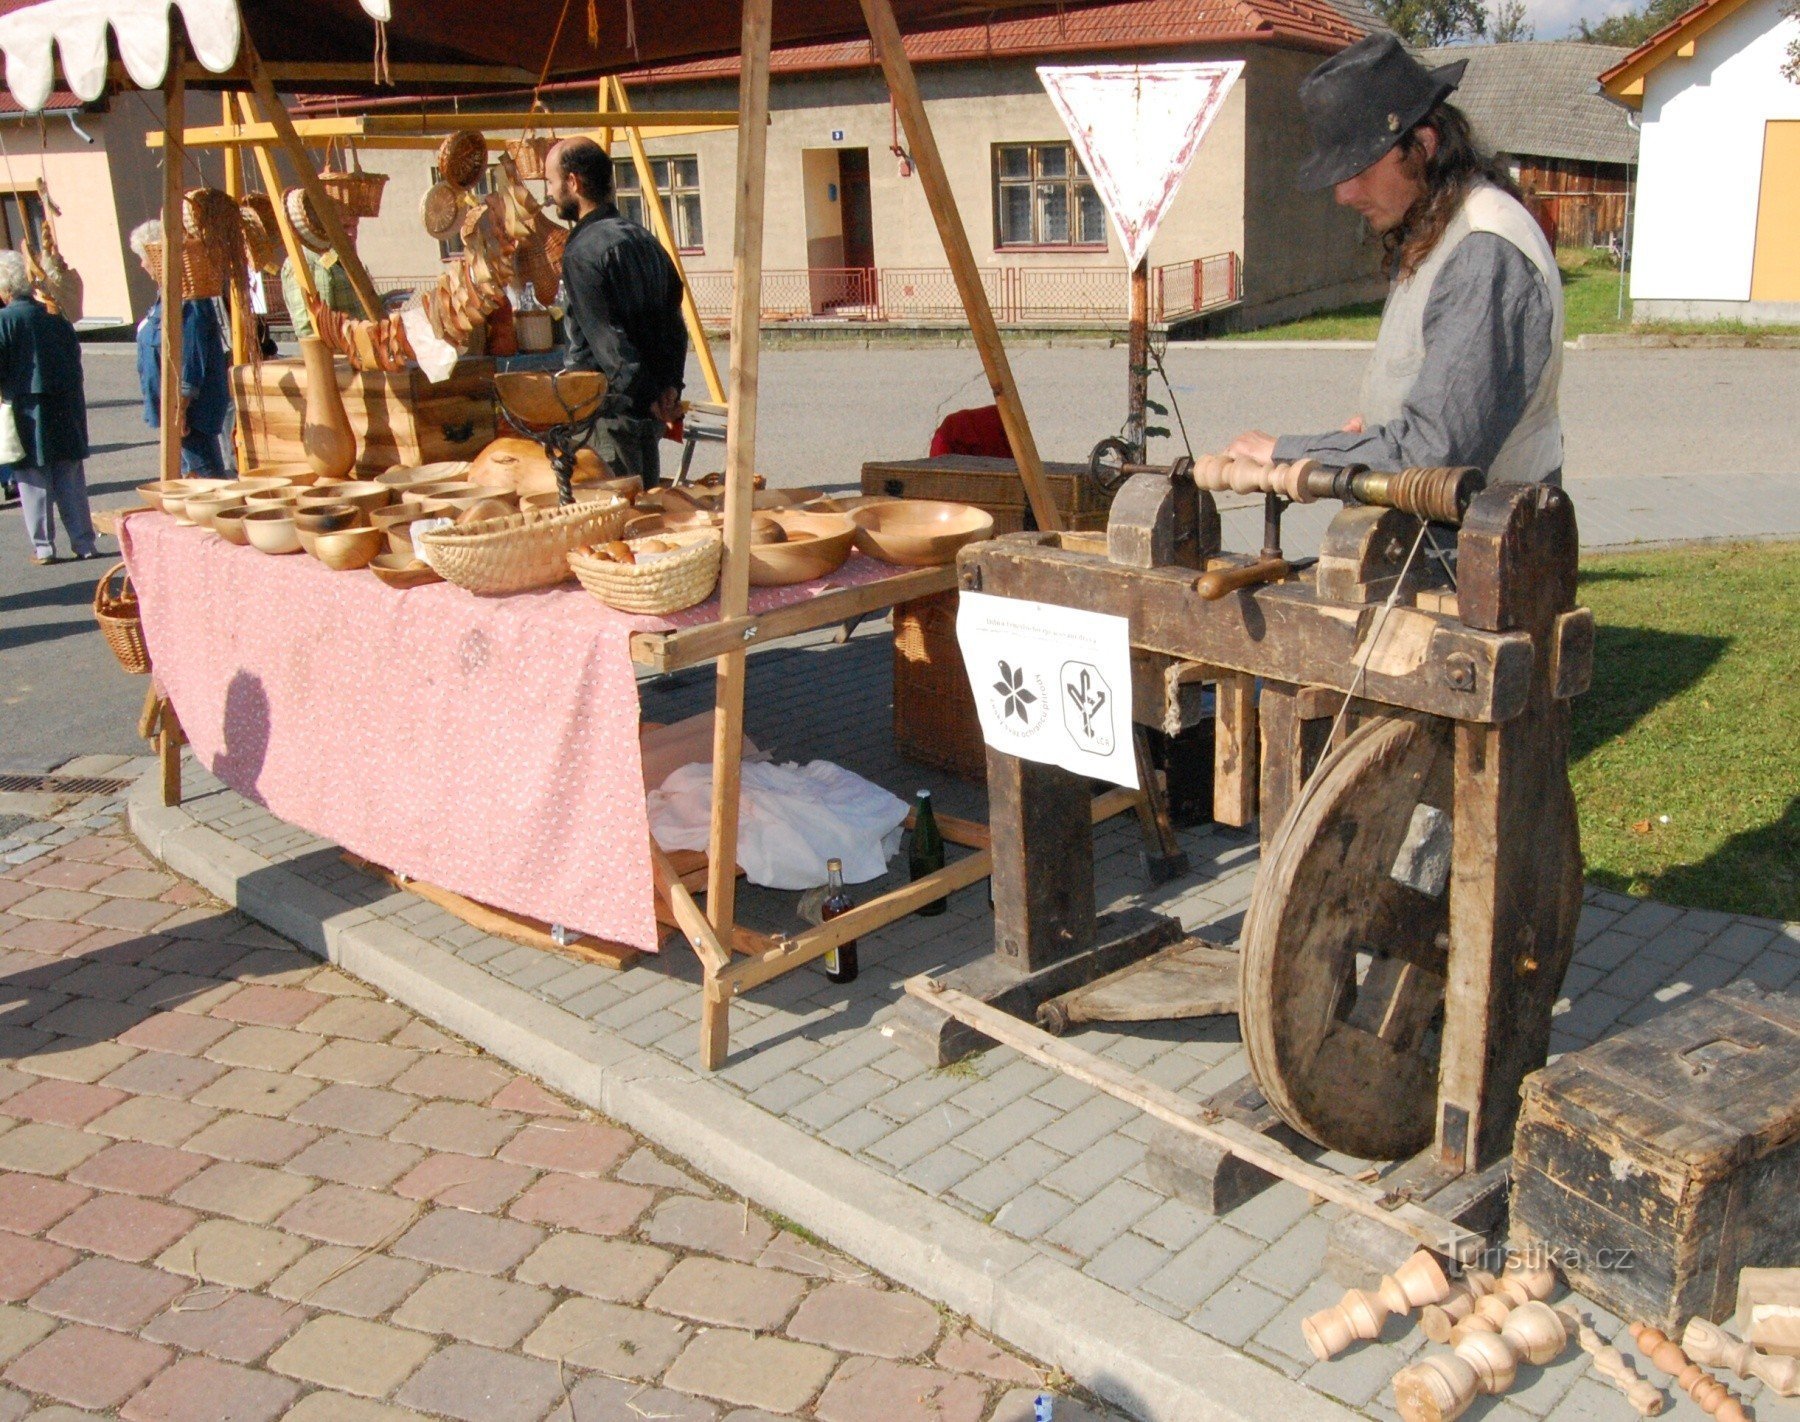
1534	449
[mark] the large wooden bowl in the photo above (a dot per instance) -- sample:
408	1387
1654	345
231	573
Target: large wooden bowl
228	523
157	492
543	398
202	507
296	474
919	533
272	498
328	518
365	494
440	489
272	531
815	546
348	548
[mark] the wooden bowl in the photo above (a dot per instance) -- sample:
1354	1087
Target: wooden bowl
366	495
816	546
919	533
399	531
395	514
202	508
545	397
584	494
403	476
453	505
298	475
272	531
228	523
156	493
347	548
328	518
441	489
273	498
401	570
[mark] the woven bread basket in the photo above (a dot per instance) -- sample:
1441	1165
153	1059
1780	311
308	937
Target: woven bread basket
202	274
120	622
528	154
522	551
462	158
262	232
356	192
661	584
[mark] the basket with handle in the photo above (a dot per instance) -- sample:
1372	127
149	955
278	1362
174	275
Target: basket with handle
659	582
524	550
202	274
120	620
262	232
357	193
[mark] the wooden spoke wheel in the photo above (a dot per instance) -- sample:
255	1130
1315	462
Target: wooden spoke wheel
1343	966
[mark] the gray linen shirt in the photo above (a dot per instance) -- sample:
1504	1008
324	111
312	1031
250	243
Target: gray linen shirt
1488	322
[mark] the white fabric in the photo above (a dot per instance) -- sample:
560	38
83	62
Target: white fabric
11	450
77	28
1534	449
791	819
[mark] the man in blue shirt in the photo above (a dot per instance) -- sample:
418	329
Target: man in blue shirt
205	370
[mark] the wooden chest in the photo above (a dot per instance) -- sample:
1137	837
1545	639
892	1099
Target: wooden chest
398	416
935	720
1654	1165
991	484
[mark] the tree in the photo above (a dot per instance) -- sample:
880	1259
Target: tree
1792	67
1509	25
1427	23
1633	27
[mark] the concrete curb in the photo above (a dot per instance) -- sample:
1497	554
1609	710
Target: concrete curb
1126	1352
1658	341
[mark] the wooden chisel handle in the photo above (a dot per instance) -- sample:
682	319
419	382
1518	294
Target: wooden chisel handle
1214	585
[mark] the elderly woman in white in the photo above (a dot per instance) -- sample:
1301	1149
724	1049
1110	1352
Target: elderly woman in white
41	381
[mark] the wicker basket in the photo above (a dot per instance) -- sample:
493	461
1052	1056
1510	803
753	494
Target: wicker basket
120	623
935	720
262	233
202	274
357	194
664	584
528	154
462	158
522	551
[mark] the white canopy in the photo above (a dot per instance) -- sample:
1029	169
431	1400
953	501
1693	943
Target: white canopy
31	36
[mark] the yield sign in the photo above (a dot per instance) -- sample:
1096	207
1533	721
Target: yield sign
1136	127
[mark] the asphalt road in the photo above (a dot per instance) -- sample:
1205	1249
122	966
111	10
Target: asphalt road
1626	414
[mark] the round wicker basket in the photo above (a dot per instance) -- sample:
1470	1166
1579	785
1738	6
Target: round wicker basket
528	154
658	583
525	550
262	232
356	192
120	622
202	274
462	158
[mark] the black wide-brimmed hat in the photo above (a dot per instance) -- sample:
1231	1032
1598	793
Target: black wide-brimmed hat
1359	102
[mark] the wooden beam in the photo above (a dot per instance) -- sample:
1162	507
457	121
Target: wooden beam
174	234
904	88
1235	748
327	210
686	913
242	320
319	73
426	129
1432	1231
290	240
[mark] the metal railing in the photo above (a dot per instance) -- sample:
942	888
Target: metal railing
1182	289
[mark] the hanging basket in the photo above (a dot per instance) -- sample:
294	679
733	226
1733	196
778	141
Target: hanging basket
203	275
357	194
528	155
120	621
262	233
462	158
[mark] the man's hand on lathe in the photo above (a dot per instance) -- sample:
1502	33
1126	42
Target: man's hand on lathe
1253	444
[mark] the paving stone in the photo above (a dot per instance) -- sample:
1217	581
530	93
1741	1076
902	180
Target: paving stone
253	1139
355	1160
475	1308
342	1214
30	1204
135	915
575	1202
357	1063
524	1095
1127	1261
771	1373
1193	1274
457	1239
19	1329
1028	1214
1020	1405
855	1319
599	1398
711	1226
362	1018
123	1227
800	1256
351	1355
1291	1263
1174	1224
60	905
109	1294
576	1147
900	1392
718	1291
62	1103
239	1327
968	1352
344	1280
265	1048
287	967
328	1406
602	1268
455	1078
481	1385
73	1060
262	1093
154	1120
228	1252
135	884
165	1074
203	1390
46	1150
610	1338
273	1006
87	1367
179	1032
1237	1311
251	1193
645	1167
368	1110
458	1126
468	1182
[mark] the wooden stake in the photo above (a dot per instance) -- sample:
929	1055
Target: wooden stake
174	233
1137	383
290	240
274	113
242	320
740	466
904	88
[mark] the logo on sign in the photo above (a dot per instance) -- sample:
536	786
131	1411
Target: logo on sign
837	135
1087	707
1018	698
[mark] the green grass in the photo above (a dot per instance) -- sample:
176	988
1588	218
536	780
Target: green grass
1686	751
1590	307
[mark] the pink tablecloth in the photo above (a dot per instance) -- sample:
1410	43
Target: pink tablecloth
488	745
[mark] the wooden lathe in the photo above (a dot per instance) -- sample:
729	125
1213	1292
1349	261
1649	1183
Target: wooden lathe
1399	714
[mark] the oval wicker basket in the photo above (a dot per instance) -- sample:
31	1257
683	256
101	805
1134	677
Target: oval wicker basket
356	192
522	551
202	274
528	153
462	158
262	233
120	621
665	584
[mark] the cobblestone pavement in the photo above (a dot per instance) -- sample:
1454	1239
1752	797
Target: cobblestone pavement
237	1185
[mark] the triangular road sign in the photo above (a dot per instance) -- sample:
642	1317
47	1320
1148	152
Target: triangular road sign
1137	127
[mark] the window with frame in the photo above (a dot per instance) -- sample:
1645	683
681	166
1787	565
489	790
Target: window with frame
677	180
21	219
1043	197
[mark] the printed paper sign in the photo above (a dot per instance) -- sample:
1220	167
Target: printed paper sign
1052	684
1137	127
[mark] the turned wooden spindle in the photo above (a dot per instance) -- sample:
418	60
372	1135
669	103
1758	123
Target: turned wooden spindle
1440	1389
1494	1308
1667	1356
1645	1397
1709	1344
1435	1389
1474	1323
1359	1314
1419	1281
1437	1320
1523	1284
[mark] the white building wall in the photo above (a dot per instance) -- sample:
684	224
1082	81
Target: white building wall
1700	159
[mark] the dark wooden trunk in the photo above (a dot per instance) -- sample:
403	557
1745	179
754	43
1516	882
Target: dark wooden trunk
1655	1165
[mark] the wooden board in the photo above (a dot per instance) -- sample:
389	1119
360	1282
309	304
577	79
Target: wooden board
1192	978
991	484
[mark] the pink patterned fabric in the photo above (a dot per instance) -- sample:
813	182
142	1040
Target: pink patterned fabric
488	745
858	571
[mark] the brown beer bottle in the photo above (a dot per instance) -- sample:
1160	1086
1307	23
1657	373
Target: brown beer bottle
840	962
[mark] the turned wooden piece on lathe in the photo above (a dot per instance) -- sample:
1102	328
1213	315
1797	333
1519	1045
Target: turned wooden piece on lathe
1645	1397
1714	1397
1442	1387
1710	1344
1441	495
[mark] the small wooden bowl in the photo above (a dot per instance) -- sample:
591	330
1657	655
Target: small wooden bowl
440	489
399	533
328	518
203	508
228	523
401	570
546	499
365	495
273	498
272	531
156	493
298	475
347	548
816	546
919	533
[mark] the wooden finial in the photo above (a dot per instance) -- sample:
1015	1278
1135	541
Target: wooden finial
1645	1397
1419	1281
1436	1389
1537	1332
1706	1390
1437	1319
1493	1359
1494	1308
1710	1344
1522	1284
1359	1314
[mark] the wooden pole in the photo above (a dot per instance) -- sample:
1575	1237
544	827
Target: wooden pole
740	465
1137	388
242	320
659	224
274	113
174	233
904	88
290	240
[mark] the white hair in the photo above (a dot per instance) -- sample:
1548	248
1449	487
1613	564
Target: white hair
143	235
14	279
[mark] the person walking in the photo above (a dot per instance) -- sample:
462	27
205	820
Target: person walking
205	367
41	380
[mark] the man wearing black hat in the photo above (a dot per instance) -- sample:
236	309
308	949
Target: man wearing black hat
1469	356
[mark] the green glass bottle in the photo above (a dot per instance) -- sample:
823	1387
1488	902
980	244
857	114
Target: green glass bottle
926	855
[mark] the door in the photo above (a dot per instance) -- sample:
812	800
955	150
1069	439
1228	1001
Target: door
859	223
1775	272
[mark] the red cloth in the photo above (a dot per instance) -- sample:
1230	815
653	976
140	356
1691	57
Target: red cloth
976	431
